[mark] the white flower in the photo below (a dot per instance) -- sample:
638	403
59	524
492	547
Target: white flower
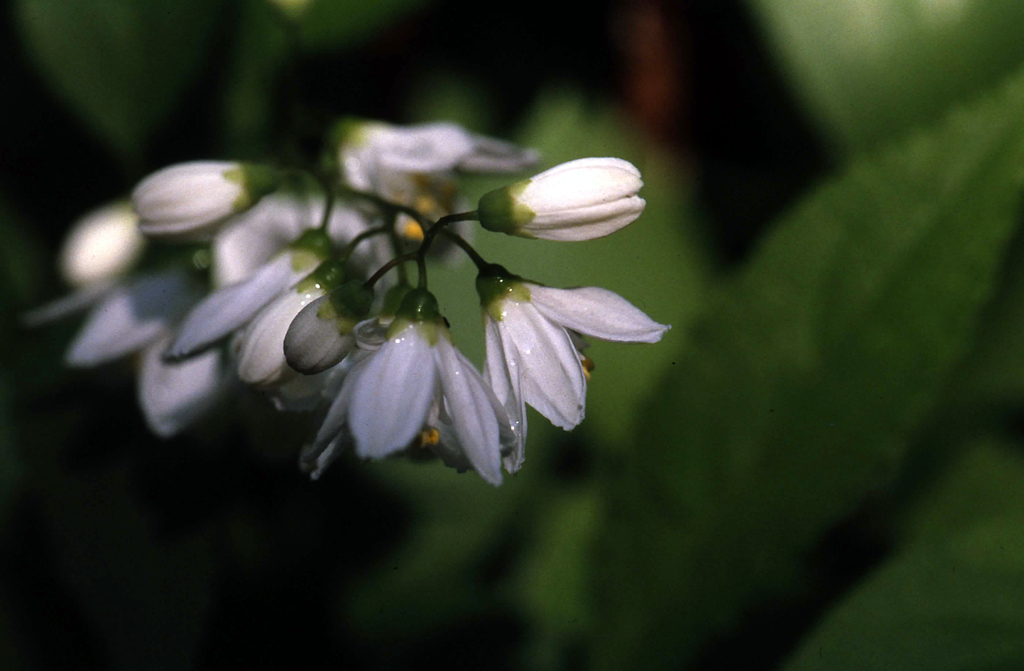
260	349
103	245
416	385
368	150
414	166
532	354
174	395
191	200
132	316
230	308
579	200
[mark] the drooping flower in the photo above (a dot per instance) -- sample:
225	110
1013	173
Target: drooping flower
413	386
190	201
579	200
533	354
231	307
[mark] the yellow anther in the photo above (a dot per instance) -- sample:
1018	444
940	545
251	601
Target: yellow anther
426	204
588	365
429	437
412	231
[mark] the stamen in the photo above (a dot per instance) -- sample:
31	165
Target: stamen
429	437
588	365
410	230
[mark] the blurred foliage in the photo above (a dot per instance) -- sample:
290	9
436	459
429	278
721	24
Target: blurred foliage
853	389
871	70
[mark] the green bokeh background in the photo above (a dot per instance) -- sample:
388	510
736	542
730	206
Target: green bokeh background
820	466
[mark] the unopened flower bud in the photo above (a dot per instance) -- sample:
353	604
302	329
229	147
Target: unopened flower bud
102	245
322	334
579	200
190	201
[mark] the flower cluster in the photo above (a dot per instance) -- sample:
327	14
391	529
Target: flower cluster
298	289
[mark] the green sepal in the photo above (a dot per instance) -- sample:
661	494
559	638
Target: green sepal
419	305
256	180
313	246
348	130
393	299
350	301
495	285
501	210
329	275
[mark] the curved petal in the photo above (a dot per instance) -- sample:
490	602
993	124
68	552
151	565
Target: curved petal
502	372
471	405
434	147
174	395
392	394
253	237
596	312
131	317
232	307
552	376
261	358
65	306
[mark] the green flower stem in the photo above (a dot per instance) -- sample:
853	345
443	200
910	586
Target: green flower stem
350	248
466	247
388	266
386	205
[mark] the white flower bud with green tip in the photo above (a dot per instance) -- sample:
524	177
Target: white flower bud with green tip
323	333
103	245
190	201
261	357
579	200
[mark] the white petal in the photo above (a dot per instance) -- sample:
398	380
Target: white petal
336	419
502	372
232	307
66	306
253	237
580	183
392	395
552	376
314	461
435	147
188	200
596	312
491	155
174	395
471	405
598	221
261	359
131	317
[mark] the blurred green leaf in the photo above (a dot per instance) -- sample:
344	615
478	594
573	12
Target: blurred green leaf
336	24
121	64
982	481
871	70
147	594
958	605
800	387
259	53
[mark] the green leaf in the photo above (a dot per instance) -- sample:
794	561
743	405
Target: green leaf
980	482
121	64
147	594
871	71
336	24
958	605
801	385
